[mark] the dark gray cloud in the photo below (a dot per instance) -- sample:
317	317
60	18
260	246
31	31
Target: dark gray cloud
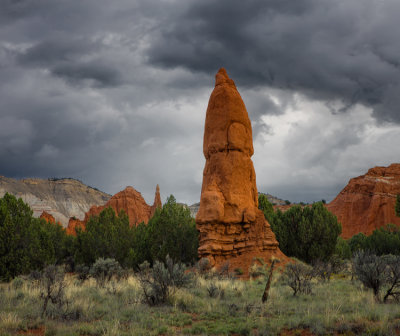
114	92
345	49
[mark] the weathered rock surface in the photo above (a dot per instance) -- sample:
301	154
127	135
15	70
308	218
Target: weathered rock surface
62	198
231	226
73	224
47	217
129	200
368	201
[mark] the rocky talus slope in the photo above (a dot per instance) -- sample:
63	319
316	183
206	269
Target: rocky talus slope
368	201
61	198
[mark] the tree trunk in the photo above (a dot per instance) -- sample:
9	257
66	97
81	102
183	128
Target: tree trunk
268	285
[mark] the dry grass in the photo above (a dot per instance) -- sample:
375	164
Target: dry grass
336	307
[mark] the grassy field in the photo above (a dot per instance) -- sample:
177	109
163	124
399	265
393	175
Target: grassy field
206	307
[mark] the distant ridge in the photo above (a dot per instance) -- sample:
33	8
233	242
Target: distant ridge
61	197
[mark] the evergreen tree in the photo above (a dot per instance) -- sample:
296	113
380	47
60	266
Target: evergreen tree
265	205
308	233
357	242
106	236
27	243
172	231
398	205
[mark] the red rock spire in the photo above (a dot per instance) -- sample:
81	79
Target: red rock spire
231	226
157	201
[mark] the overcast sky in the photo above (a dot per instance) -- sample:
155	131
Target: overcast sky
114	93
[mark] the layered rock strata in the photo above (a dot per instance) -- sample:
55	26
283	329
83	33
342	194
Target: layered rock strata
231	227
368	201
62	198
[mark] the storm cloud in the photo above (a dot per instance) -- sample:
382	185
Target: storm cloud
115	93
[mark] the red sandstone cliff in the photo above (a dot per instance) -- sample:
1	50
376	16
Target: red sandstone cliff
231	226
368	201
129	200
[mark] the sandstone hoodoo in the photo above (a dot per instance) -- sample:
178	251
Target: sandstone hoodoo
368	201
73	224
129	200
47	217
231	227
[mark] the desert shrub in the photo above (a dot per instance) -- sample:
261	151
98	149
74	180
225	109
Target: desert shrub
397	208
52	290
258	268
256	271
378	273
171	231
203	266
28	243
17	283
103	270
308	233
160	281
392	277
106	236
370	270
222	271
213	290
298	276
82	272
324	269
238	271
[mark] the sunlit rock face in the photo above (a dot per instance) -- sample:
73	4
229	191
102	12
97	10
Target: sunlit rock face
368	201
231	226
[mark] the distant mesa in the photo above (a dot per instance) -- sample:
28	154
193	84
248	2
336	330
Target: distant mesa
368	201
62	198
74	224
129	200
231	227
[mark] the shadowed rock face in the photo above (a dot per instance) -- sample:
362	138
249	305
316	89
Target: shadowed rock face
231	226
129	200
368	201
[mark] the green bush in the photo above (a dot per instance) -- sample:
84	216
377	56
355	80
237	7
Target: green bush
28	243
378	272
104	269
308	233
171	231
382	241
298	275
159	282
342	249
106	236
397	209
52	291
265	206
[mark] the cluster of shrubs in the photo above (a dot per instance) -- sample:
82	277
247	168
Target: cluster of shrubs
381	274
28	244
